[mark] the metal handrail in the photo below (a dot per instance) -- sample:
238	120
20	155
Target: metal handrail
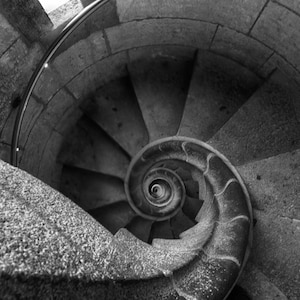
68	29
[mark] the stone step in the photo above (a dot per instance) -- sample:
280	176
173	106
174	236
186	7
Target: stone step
134	259
275	252
266	125
161	85
89	189
258	286
273	184
218	88
88	147
114	216
115	109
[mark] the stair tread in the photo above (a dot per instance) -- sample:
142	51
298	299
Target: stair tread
88	147
266	125
115	109
273	183
218	88
258	286
114	216
161	86
275	250
135	259
141	228
90	190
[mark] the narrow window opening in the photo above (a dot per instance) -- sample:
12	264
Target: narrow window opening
60	11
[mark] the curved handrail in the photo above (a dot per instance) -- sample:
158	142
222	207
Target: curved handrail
68	29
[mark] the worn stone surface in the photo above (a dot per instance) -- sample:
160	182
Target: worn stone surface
241	48
273	184
30	246
161	85
245	12
160	31
34	147
58	211
277	27
112	107
50	287
8	35
16	67
80	56
217	89
68	120
5	152
275	251
264	126
135	259
48	84
258	285
28	17
85	83
277	62
57	107
49	170
33	110
153	289
206	278
294	5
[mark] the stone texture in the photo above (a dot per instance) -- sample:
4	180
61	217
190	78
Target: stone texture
104	17
241	48
160	31
273	184
47	287
34	147
8	35
30	246
80	56
68	120
265	126
206	278
47	85
112	67
258	286
275	251
49	170
112	107
16	67
33	110
135	259
28	17
59	212
277	62
57	107
278	28
153	289
161	85
217	89
90	148
5	152
244	12
233	203
292	4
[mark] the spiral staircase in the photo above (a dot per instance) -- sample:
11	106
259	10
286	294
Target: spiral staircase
167	146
